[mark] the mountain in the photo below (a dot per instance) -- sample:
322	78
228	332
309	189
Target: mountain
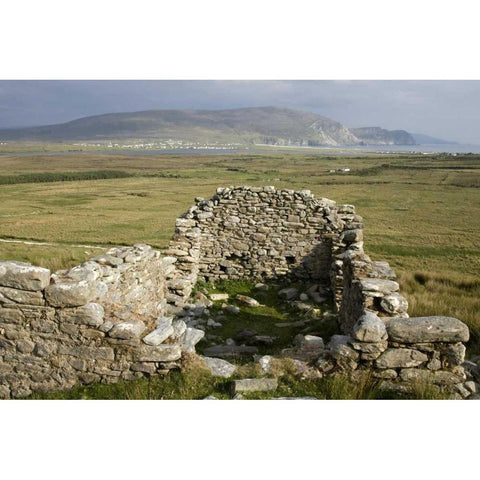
261	125
380	136
421	139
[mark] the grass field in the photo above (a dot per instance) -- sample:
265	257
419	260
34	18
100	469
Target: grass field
421	213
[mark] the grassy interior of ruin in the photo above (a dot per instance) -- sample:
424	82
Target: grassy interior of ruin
421	213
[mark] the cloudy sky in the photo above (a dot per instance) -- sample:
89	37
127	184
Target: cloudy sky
444	109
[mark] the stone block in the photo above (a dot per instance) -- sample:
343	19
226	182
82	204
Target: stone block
427	329
91	314
219	367
400	358
378	285
70	294
369	328
254	385
23	276
159	353
127	330
15	296
440	377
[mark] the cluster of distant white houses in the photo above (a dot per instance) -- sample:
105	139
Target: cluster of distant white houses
167	144
339	170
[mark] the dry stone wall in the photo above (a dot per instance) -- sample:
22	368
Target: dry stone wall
260	233
98	322
118	315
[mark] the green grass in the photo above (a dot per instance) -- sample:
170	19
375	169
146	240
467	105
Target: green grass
263	319
195	384
48	256
46	177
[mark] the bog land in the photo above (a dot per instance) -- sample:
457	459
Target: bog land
421	213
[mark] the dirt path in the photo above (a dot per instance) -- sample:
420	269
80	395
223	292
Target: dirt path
51	244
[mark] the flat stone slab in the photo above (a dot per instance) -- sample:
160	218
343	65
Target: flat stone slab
427	329
254	385
218	296
378	285
440	377
23	276
160	334
219	367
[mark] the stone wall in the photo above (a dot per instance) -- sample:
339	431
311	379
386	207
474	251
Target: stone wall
367	285
97	322
402	352
261	233
108	318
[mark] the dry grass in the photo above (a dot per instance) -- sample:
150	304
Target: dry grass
422	215
445	293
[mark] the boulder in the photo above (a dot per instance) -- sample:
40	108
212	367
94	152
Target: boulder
219	367
369	328
427	329
400	358
23	276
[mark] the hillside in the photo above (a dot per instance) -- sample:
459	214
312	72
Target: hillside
421	139
380	136
241	126
267	125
